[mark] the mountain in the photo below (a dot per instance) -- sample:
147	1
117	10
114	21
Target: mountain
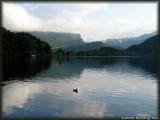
124	43
85	47
148	48
59	40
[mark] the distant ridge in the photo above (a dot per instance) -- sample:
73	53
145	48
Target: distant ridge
124	43
146	49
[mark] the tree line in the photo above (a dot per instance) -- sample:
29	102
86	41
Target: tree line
21	44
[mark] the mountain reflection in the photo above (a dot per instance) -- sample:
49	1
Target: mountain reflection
106	87
73	67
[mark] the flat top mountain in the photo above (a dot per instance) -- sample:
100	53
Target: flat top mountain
73	42
59	40
124	43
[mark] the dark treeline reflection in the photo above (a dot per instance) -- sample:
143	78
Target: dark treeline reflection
149	64
67	67
70	67
21	68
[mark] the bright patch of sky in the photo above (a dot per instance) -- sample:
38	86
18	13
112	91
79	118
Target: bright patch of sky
94	21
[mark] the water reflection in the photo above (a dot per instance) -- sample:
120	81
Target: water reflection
21	68
73	67
106	87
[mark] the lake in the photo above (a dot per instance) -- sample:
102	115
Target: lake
106	87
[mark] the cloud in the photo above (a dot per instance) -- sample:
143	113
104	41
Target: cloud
17	18
73	17
83	9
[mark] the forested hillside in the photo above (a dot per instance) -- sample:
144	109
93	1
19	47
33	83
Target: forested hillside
22	44
104	51
85	47
148	48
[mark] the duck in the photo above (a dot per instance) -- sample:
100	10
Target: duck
75	90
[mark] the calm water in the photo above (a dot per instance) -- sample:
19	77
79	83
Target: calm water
106	87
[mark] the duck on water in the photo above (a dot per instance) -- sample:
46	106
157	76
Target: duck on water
75	90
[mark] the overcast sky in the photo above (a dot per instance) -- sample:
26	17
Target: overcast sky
94	21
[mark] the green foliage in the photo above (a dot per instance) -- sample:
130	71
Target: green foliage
104	51
22	44
61	53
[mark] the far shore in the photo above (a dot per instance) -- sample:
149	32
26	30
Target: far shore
112	56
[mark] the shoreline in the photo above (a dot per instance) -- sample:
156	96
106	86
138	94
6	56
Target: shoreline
109	56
